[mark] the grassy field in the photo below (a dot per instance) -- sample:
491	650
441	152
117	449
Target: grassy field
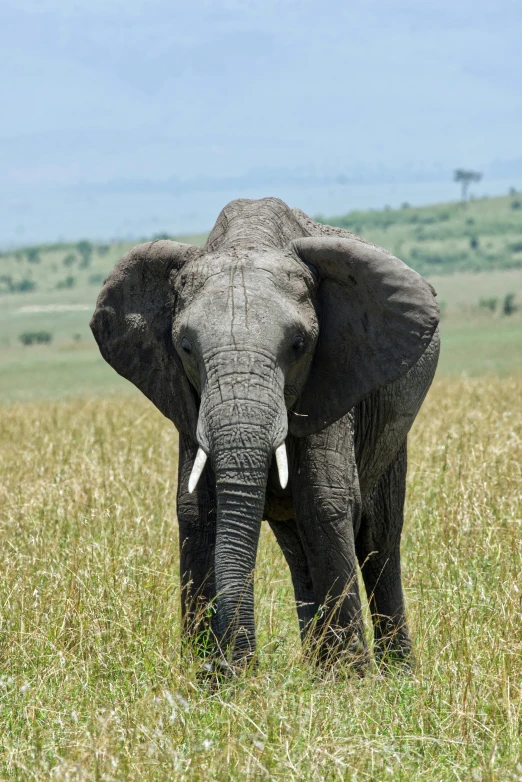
91	683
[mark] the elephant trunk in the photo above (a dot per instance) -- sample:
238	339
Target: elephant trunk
242	423
240	487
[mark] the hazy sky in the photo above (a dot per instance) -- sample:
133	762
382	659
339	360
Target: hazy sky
102	91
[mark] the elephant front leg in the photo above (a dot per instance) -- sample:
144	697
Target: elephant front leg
378	550
288	538
197	542
327	504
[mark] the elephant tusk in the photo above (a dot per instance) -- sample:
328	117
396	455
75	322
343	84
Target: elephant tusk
197	469
282	465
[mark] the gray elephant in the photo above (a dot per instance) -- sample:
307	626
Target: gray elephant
292	357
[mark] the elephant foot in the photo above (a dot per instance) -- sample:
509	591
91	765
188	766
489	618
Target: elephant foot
338	648
215	671
218	670
393	651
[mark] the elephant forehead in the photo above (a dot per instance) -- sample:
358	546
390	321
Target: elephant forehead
251	276
224	307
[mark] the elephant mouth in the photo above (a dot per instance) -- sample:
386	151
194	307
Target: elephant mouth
202	456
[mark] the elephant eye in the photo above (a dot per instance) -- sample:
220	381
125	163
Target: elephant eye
186	346
298	344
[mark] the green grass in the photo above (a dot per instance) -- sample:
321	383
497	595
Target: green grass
43	372
91	682
476	346
459	294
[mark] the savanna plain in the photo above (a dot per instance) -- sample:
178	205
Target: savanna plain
92	682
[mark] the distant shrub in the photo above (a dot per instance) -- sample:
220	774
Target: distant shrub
35	337
405	205
23	286
84	249
103	249
470	221
516	247
474	242
69	282
69	259
6	283
489	304
418	254
96	279
33	255
512	191
77	337
509	306
425	257
516	204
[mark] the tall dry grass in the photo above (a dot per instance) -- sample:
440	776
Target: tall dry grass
91	683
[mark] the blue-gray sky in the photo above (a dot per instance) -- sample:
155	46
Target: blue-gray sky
118	97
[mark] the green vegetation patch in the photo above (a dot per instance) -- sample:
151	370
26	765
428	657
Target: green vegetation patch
480	235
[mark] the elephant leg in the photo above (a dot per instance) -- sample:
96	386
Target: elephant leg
327	503
378	551
288	539
197	541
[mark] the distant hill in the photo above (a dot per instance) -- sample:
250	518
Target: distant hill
74	268
482	235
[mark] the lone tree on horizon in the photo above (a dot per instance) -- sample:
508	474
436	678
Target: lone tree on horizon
466	177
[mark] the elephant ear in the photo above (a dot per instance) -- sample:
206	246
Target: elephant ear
376	318
132	324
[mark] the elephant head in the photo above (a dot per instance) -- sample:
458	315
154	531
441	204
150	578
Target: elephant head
264	331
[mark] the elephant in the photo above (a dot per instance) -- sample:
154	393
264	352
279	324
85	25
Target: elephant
293	358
